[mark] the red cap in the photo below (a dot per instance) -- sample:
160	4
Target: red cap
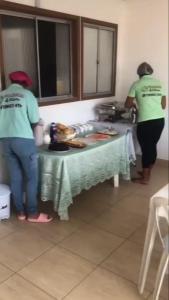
20	77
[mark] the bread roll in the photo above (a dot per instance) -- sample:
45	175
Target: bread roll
68	131
61	126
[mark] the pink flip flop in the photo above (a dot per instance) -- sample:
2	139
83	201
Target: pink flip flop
42	218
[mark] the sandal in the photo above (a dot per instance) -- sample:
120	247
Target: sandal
41	218
21	217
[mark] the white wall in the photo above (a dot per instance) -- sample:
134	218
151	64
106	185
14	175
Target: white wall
146	39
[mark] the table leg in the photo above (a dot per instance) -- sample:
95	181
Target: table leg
116	180
64	216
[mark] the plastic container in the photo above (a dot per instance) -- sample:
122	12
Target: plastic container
133	115
4	201
53	130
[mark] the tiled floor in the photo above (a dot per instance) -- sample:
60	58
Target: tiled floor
94	256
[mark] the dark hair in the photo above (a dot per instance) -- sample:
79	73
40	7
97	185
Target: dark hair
144	69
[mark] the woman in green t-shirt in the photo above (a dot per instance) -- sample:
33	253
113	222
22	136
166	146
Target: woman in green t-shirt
148	95
19	113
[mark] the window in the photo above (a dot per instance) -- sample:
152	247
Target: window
98	58
19	47
45	44
68	57
54	59
41	48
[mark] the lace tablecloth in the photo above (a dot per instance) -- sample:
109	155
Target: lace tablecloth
122	127
65	175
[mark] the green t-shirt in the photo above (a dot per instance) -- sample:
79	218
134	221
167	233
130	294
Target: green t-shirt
18	110
148	92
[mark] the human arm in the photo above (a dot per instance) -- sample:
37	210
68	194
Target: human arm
32	110
130	102
33	125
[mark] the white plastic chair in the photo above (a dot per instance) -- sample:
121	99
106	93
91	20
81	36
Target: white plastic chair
164	213
159	208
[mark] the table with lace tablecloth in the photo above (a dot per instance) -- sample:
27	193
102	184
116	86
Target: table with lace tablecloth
123	127
64	175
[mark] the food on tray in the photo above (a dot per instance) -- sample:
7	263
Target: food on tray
88	140
108	132
64	129
99	136
61	127
75	144
64	133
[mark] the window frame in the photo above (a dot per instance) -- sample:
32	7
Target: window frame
91	23
25	11
77	24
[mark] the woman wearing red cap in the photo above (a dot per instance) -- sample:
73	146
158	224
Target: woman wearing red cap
19	113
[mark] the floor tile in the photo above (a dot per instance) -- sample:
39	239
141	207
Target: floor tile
6	228
126	261
22	247
23	226
102	284
134	203
154	186
160	298
4	273
121	223
140	189
139	238
159	178
92	243
164	293
86	210
58	230
107	193
100	221
57	271
90	204
16	288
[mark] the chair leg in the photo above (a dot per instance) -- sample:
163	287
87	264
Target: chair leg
160	274
148	247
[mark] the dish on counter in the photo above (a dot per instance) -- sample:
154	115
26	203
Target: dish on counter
111	132
75	144
59	147
88	140
93	138
99	136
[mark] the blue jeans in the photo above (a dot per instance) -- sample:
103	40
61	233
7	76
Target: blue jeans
21	157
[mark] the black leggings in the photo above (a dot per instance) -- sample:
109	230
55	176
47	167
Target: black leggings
148	134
